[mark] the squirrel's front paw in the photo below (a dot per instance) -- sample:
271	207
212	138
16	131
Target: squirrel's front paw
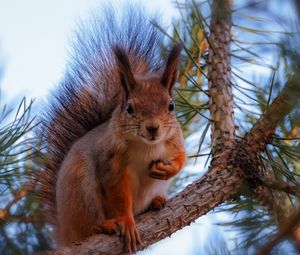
163	170
124	227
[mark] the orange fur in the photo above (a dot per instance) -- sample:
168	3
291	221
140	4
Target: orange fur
118	208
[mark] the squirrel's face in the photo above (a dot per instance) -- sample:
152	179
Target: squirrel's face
148	113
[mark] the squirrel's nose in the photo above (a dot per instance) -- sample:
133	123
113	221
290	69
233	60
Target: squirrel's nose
152	129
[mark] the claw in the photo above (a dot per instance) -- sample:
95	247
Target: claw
108	227
124	227
158	203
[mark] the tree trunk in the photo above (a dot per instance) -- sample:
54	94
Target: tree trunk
219	77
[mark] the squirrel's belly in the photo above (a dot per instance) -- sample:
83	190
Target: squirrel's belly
157	188
145	188
146	191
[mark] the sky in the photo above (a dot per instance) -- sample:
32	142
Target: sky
35	36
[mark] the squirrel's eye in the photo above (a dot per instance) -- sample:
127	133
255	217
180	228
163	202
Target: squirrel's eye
171	106
129	109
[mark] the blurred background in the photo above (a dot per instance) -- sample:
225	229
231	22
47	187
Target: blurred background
35	42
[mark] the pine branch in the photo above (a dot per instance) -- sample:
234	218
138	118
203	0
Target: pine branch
17	197
259	136
282	186
221	98
6	215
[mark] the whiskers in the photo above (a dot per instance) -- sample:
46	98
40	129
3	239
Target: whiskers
171	124
135	128
127	128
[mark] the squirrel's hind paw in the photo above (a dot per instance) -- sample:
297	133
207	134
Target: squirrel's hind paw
109	227
123	227
157	203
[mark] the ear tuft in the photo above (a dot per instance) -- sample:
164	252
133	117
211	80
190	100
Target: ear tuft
126	75
169	76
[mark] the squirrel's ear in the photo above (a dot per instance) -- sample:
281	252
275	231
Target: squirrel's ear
169	76
126	75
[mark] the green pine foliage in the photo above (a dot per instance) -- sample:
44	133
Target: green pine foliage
22	230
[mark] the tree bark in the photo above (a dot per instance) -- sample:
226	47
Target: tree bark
219	77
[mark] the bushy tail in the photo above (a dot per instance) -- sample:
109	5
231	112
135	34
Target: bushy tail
89	91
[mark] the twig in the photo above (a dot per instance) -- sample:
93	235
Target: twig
21	193
287	228
282	186
264	129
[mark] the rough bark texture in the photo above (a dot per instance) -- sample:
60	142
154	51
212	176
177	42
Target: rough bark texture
219	81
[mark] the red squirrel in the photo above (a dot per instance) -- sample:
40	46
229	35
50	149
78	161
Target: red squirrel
113	142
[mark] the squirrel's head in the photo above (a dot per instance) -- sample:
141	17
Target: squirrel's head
148	110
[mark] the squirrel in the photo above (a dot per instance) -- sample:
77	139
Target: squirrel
112	140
